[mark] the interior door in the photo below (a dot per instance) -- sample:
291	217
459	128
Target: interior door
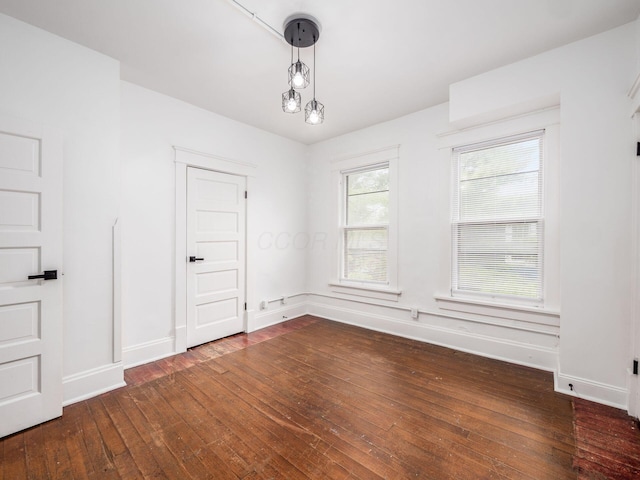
216	212
30	244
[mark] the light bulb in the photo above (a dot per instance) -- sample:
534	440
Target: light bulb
313	116
298	79
291	104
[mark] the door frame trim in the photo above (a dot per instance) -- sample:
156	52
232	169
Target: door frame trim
185	158
633	387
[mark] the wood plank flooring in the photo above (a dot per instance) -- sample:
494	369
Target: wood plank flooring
311	399
607	441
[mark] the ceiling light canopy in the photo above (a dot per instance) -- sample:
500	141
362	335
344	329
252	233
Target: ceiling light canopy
302	31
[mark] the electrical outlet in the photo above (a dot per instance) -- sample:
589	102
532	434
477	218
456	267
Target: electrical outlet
263	305
414	313
284	300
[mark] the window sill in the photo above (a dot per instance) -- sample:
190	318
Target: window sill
378	293
537	315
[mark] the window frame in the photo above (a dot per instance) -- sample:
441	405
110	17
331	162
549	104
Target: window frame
351	164
346	227
538	220
499	310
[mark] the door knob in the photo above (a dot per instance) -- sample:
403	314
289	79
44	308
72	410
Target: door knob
194	259
47	275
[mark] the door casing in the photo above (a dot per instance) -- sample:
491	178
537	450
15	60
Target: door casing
634	380
185	158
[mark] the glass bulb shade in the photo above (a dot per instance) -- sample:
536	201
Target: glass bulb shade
291	101
298	75
314	112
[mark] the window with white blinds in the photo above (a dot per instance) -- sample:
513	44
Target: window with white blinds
365	229
497	219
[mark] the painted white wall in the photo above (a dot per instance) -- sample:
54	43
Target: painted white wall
151	125
596	176
590	79
423	252
50	80
420	191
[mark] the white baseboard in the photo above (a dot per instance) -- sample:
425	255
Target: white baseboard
273	316
487	343
180	340
148	352
590	390
499	349
90	383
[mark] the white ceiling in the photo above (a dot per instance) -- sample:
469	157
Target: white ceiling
376	60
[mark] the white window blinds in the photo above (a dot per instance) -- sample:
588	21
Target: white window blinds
366	224
497	218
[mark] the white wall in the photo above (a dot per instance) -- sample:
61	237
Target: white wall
419	184
423	252
590	79
151	125
50	80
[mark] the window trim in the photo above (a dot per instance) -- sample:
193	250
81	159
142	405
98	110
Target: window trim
539	220
344	227
352	164
549	120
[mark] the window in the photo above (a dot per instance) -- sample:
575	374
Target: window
365	225
364	262
497	219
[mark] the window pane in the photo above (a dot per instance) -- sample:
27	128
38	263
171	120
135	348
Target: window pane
520	157
369	181
507	238
511	196
366	255
499	259
368	208
500	275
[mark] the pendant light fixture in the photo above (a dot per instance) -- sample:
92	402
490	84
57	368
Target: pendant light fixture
302	31
314	110
291	100
298	73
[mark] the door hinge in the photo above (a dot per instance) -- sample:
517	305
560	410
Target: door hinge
635	366
245	305
245	194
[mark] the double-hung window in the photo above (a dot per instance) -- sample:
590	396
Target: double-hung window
365	225
497	219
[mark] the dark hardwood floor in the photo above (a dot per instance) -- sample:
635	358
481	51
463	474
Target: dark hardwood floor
607	441
309	398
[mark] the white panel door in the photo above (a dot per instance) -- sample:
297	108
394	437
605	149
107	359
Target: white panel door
216	211
30	244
